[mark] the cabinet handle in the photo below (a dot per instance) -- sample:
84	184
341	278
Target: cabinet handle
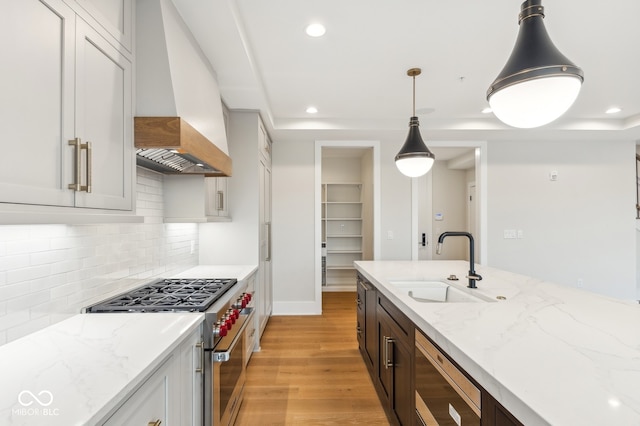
200	345
387	361
268	230
156	423
87	146
79	147
220	205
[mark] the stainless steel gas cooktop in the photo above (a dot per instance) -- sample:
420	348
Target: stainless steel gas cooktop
166	295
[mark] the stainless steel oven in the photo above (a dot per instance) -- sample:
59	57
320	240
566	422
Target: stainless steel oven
444	395
228	309
228	359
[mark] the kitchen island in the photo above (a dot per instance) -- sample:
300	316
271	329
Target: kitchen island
549	354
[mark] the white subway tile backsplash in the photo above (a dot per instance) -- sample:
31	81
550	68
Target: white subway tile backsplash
50	272
29	273
14	261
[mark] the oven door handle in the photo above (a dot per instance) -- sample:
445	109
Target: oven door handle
225	355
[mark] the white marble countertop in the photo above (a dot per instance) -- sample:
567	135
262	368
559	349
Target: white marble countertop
550	354
76	371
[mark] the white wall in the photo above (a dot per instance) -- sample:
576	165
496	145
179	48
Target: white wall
293	217
293	222
367	200
236	242
395	205
50	272
581	226
637	239
341	169
578	227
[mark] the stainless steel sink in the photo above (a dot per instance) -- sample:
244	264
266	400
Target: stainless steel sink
436	292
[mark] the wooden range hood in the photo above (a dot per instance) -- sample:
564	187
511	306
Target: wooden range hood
171	145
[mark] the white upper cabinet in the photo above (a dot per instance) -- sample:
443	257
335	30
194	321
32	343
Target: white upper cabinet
113	15
64	81
37	105
103	118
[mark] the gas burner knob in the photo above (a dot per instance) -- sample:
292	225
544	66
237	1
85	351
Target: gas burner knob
219	330
228	321
247	298
232	316
236	313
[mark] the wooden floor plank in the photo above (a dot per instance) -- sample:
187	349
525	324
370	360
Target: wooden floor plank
309	372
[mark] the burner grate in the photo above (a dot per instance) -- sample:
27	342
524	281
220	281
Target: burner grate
166	295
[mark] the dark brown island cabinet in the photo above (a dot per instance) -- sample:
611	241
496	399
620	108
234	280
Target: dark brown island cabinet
417	382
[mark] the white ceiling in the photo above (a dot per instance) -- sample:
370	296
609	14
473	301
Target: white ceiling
356	74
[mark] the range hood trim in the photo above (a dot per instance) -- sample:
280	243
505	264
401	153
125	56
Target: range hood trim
174	133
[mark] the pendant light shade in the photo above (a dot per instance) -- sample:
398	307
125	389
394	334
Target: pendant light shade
414	158
538	83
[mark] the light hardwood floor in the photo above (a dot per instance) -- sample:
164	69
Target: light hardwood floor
310	372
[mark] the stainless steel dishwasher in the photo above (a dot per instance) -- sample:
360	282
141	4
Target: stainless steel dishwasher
444	395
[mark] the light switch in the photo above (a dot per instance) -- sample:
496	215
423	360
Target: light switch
389	235
510	234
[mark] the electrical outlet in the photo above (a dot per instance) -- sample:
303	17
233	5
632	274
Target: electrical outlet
580	283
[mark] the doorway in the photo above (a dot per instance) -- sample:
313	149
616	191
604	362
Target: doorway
449	198
347	211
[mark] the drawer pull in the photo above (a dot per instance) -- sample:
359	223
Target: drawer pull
200	346
440	360
79	147
387	361
156	423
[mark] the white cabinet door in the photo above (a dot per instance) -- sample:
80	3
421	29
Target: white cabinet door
115	16
217	197
155	400
265	293
103	118
191	379
36	104
61	80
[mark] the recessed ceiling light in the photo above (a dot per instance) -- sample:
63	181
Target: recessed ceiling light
312	110
613	110
316	30
487	110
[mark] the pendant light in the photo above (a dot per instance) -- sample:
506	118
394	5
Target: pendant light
414	158
538	83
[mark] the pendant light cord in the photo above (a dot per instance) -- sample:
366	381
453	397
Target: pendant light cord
414	96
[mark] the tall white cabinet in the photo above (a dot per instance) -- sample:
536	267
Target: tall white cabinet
265	300
65	79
